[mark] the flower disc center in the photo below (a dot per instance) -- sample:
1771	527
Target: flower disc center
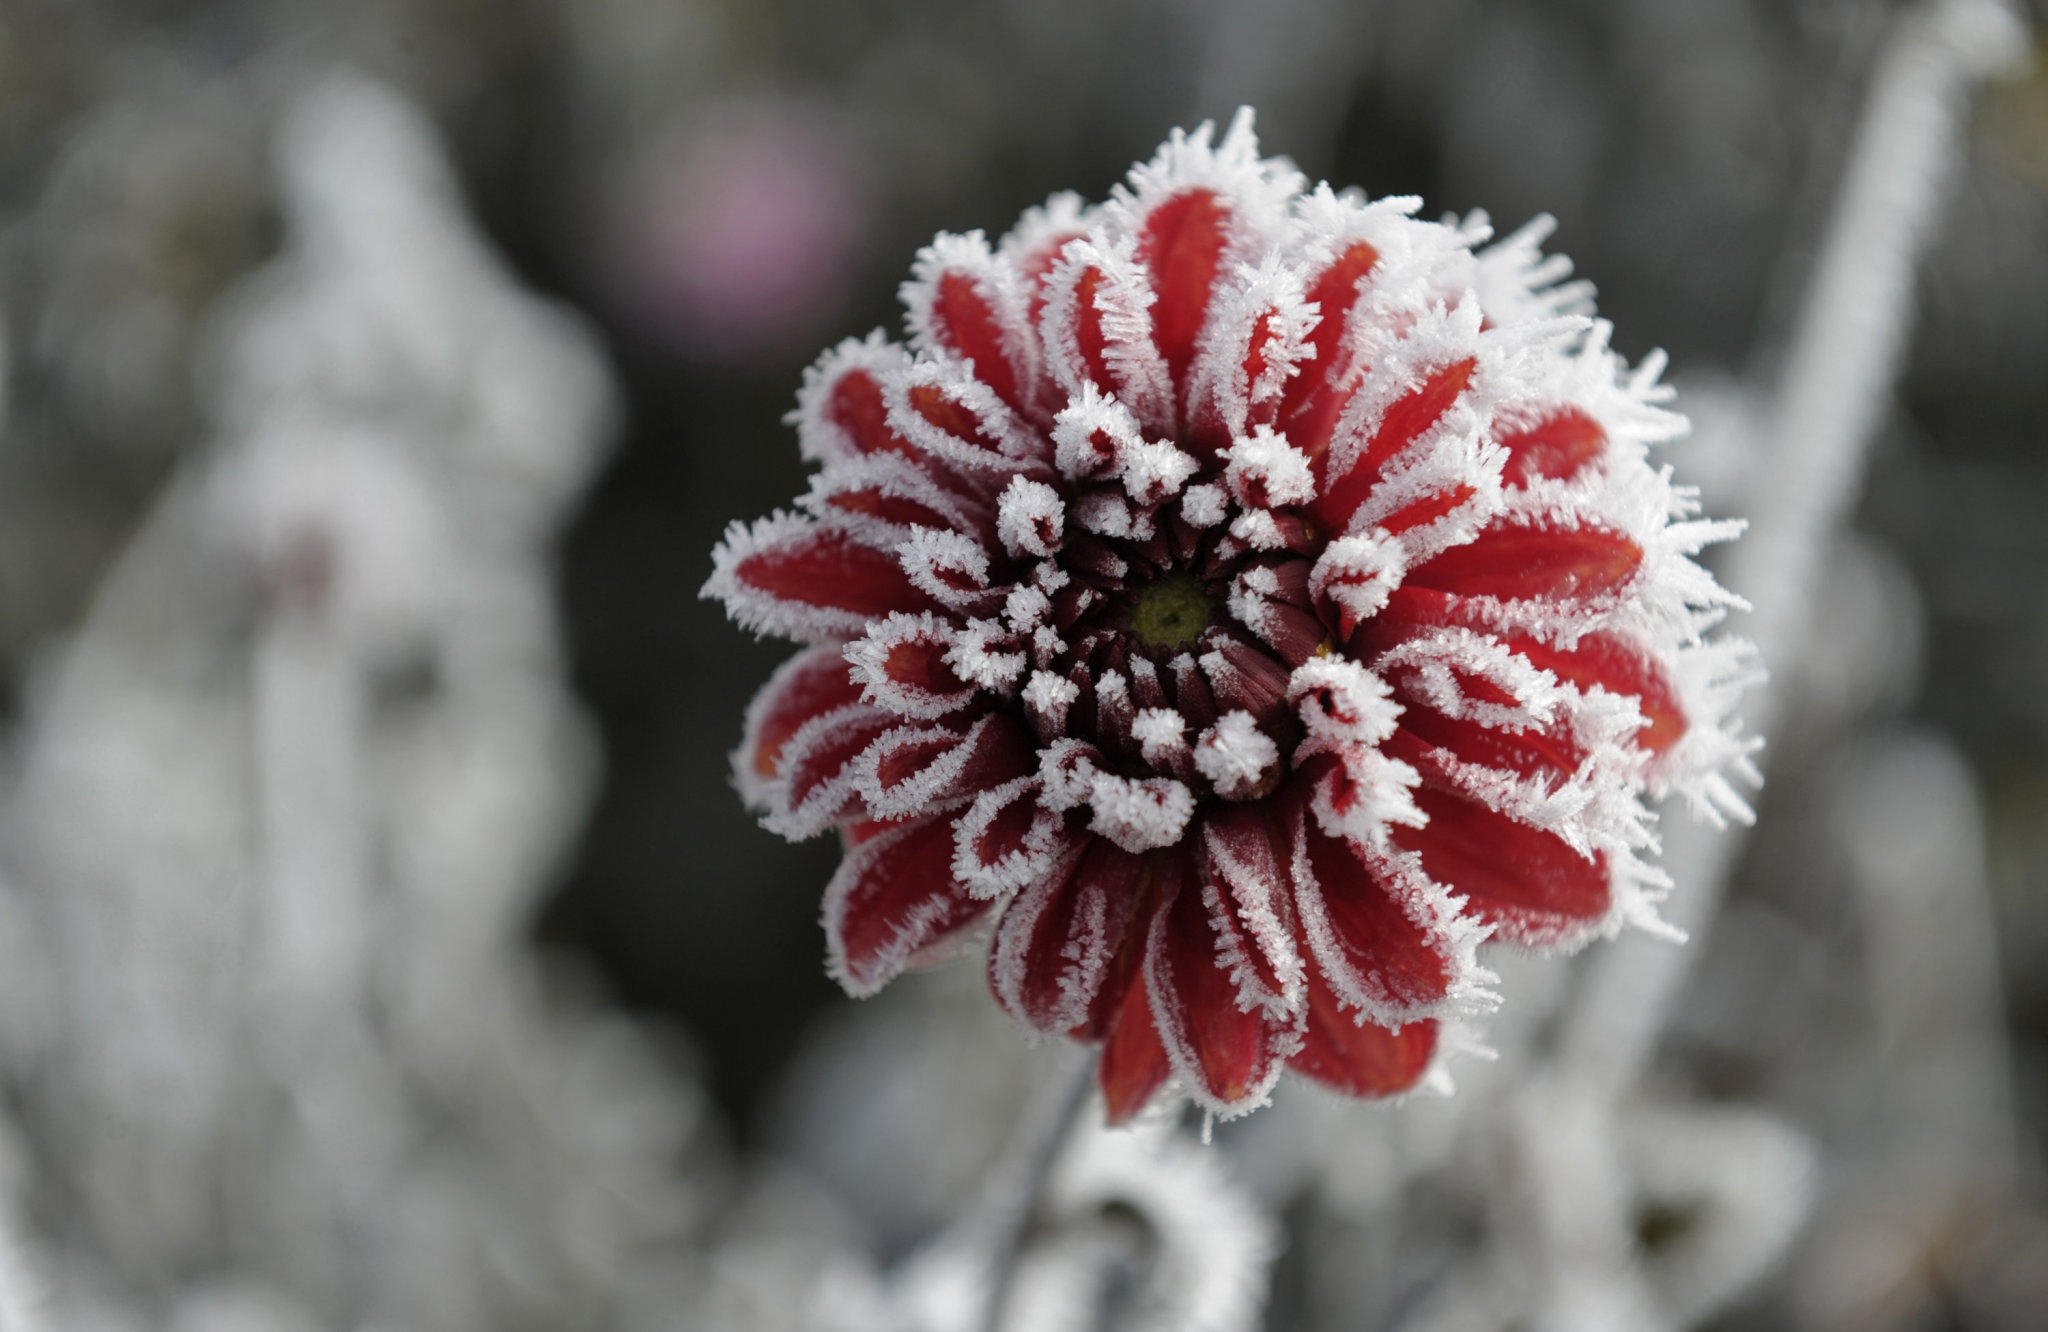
1172	613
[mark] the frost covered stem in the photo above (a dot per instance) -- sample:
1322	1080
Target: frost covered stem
1018	1194
1835	384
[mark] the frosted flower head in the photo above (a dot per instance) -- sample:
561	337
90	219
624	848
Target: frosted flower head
1234	603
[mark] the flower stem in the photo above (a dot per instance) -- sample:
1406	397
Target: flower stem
1019	1193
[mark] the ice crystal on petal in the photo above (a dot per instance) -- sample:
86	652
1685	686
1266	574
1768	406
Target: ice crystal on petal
1256	597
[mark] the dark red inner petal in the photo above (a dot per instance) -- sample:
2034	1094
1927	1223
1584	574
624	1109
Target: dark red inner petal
965	320
1525	880
821	760
825	567
902	899
1182	243
920	664
874	502
1391	958
1099	891
1134	1065
1515	562
1557	448
812	689
1359	1059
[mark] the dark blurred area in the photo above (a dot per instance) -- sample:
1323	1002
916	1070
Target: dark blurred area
718	189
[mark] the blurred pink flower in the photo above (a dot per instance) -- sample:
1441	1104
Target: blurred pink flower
740	244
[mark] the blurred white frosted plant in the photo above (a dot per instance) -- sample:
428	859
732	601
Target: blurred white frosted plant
286	802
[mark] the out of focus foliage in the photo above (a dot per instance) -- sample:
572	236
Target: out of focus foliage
376	377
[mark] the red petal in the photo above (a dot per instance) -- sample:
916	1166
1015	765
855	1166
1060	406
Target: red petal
1601	659
1515	563
893	898
1310	393
1056	942
807	578
915	769
1526	882
964	320
1089	336
854	403
1403	422
817	788
1525	753
1426	510
1134	1065
1007	840
917	662
1619	668
1247	855
810	684
1233	1055
1358	925
1558	447
1360	1059
1182	242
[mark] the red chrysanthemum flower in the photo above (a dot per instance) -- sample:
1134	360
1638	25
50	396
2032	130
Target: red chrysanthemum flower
1249	599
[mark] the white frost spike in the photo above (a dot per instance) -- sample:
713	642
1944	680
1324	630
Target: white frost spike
1153	472
1379	795
1106	513
1030	518
1047	697
1204	506
1161	734
1066	774
1256	529
1091	434
981	656
1357	574
1267	472
1236	756
1139	815
1341	702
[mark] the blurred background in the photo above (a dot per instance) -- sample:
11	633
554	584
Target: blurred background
381	944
